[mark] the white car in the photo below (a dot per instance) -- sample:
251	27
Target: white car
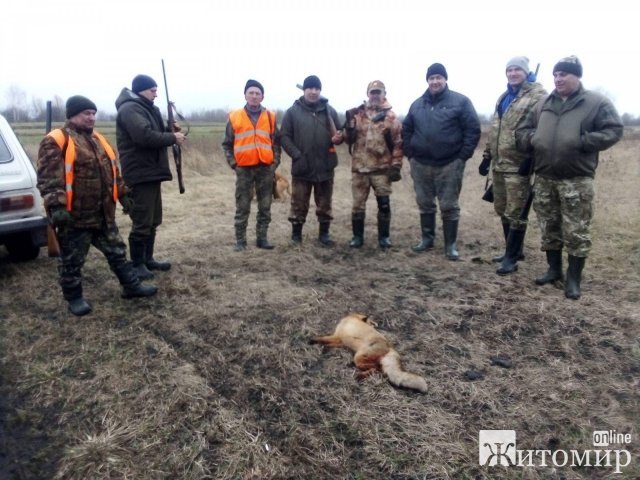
23	228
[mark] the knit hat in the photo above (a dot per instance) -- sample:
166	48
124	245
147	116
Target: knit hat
142	82
375	85
253	83
520	62
437	69
312	82
77	104
569	65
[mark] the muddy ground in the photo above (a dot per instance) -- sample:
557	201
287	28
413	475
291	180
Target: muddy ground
215	377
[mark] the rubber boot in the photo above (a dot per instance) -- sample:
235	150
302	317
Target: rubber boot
505	229
131	284
79	307
296	232
138	252
261	237
554	260
323	235
384	222
450	230
357	224
428	228
509	263
574	275
152	263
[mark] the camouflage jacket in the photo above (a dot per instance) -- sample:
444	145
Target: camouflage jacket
93	204
566	136
378	138
505	157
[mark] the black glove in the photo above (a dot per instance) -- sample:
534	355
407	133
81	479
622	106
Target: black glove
60	217
483	168
394	174
525	167
127	204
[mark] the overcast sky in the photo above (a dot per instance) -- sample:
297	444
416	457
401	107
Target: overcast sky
211	48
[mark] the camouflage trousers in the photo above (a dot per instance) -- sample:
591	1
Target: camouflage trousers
443	183
510	192
258	179
74	247
564	209
300	198
362	183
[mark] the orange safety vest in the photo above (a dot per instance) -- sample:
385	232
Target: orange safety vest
70	158
253	145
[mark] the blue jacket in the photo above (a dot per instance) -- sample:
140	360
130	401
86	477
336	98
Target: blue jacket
438	130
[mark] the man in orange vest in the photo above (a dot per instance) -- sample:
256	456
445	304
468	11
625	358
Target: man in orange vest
251	149
79	180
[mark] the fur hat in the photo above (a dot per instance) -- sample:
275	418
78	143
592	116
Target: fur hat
312	82
569	65
520	62
253	83
437	69
77	104
141	83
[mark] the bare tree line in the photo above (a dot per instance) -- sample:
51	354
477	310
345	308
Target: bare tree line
21	109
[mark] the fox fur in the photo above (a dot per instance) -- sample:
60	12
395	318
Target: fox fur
281	187
372	351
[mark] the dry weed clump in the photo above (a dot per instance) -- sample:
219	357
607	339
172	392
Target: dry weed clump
215	377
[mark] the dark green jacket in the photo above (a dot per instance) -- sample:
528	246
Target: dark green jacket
305	135
142	140
566	137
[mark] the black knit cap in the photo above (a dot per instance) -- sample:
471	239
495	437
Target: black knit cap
437	69
569	65
141	83
77	104
312	82
253	83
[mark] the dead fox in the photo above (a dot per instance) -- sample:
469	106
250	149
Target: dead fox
372	351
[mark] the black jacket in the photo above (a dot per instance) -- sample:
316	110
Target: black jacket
142	140
438	130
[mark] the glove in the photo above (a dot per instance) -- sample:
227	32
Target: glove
127	204
60	217
394	174
525	167
483	168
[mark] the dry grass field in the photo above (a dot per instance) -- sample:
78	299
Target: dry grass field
215	377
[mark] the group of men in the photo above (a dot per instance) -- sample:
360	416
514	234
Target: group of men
553	138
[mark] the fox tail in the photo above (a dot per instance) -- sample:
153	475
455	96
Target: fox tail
392	368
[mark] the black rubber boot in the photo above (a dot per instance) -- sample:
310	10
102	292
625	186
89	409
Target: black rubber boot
79	306
296	232
574	275
554	260
152	263
264	244
384	222
138	251
428	228
357	224
241	245
323	235
131	284
509	263
450	230
505	229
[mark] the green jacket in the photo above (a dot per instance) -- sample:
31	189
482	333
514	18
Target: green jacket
505	157
566	137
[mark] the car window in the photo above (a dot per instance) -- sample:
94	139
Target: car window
5	153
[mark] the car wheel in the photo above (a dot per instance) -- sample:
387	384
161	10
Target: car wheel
21	248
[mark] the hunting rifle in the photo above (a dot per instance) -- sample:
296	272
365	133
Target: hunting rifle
53	246
171	121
